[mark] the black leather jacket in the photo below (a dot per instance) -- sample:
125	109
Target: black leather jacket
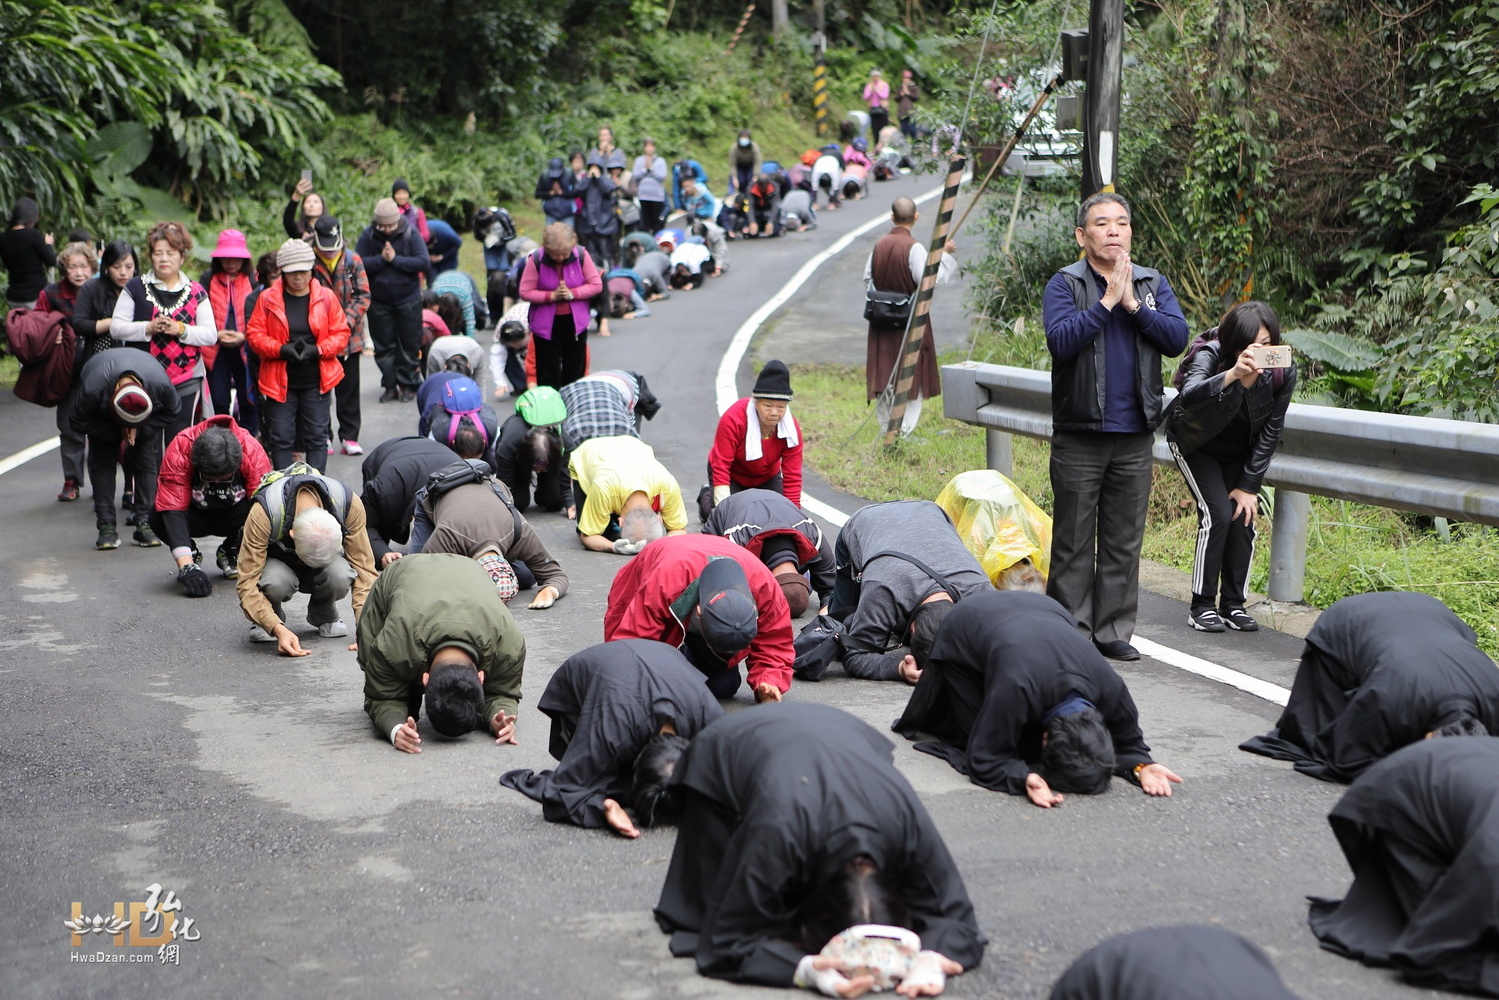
1206	406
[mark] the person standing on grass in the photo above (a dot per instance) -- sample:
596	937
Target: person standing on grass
905	103
744	163
339	269
877	98
1223	429
1108	323
649	173
896	265
395	259
400	192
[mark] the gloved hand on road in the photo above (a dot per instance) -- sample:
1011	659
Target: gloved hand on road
626	548
194	581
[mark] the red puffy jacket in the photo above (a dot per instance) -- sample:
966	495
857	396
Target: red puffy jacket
268	333
640	600
174	487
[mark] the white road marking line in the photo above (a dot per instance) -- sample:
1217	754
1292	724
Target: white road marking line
1212	671
727	392
20	458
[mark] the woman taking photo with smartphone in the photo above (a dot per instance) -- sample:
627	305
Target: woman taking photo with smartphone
1223	428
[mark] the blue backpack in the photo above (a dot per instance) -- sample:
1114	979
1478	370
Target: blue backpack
461	397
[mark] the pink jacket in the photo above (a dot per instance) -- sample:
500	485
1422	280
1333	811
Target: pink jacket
539	279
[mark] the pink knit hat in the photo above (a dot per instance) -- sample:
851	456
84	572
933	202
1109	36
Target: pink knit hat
232	244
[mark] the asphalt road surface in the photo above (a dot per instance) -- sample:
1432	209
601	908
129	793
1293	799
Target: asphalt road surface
147	742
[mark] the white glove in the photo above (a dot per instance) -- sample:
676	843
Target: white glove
926	970
626	548
824	981
720	494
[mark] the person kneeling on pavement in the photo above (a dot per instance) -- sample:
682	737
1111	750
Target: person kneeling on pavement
436	632
465	510
1022	703
527	455
623	498
394	472
125	400
622	713
886	594
208	475
713	600
758	444
786	540
305	532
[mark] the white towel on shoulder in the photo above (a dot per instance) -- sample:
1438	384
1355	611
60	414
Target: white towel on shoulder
785	429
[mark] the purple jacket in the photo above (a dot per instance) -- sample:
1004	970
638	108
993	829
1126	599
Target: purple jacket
539	279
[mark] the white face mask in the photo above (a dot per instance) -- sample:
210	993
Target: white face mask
743	141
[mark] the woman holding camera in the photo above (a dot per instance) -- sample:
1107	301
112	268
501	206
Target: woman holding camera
1223	428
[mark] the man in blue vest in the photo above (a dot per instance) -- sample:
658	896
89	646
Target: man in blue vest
305	532
1108	323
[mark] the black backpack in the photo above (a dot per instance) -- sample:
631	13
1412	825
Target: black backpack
466	473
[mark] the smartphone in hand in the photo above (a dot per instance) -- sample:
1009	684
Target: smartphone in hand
307	175
1271	355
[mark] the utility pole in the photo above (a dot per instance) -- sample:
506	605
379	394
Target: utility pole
820	68
1101	103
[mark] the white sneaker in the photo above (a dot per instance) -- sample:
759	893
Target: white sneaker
333	630
258	634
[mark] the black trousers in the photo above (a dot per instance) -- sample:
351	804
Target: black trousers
397	333
561	359
300	421
346	399
580	498
1100	485
548	487
190	396
604	249
231	372
651	214
846	590
142	463
1225	547
878	119
178	528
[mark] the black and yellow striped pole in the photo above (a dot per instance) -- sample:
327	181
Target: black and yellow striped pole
820	89
916	327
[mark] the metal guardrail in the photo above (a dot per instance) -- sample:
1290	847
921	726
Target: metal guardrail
1445	468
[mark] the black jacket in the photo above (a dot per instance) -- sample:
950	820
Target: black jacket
1001	661
750	518
511	461
398	281
93	411
393	472
1206	406
557	206
606	703
1173	963
777	800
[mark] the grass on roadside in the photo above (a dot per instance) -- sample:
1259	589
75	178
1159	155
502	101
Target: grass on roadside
10	370
1352	548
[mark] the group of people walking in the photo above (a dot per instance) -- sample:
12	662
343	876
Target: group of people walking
802	856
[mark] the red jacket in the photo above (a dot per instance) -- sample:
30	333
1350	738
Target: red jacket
268	332
642	593
726	462
174	487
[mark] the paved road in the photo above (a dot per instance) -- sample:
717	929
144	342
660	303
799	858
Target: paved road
147	742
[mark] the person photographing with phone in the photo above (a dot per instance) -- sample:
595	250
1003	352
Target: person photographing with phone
1236	384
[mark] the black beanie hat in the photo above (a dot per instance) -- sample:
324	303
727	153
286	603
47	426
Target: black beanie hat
774	382
400	185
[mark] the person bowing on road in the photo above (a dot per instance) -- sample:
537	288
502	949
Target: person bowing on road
436	633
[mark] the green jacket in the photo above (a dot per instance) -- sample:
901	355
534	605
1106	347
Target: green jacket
419	604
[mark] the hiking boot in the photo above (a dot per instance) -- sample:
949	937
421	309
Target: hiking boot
1238	620
145	537
352	448
228	561
69	490
390	395
1206	620
108	538
333	630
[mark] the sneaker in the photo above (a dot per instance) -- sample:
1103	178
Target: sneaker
227	561
330	447
1238	620
145	537
197	555
108	538
69	490
258	634
390	396
352	448
333	630
1206	620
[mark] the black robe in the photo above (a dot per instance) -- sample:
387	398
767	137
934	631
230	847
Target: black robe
1379	671
606	703
1420	830
1001	661
393	472
778	798
1173	963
